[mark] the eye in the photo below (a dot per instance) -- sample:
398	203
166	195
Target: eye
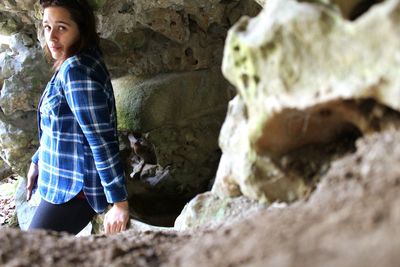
46	27
61	28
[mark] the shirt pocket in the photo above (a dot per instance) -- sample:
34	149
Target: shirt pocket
51	105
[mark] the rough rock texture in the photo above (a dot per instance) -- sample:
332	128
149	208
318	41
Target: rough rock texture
351	220
303	98
25	209
23	72
208	210
148	37
5	170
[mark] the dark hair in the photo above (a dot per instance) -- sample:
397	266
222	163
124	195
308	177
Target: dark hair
82	14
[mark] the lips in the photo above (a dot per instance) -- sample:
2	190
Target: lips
55	48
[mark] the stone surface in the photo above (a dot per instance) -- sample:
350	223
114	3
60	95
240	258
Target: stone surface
23	76
145	104
5	170
350	220
25	209
8	25
148	38
299	92
208	210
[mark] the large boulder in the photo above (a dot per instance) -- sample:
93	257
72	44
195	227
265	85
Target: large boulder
208	210
309	83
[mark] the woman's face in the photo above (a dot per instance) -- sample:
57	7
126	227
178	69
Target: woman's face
60	31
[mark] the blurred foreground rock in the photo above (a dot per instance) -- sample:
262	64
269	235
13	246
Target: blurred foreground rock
309	82
352	219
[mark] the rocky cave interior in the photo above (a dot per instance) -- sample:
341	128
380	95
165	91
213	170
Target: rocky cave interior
230	113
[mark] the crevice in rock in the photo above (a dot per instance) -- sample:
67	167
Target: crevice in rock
362	7
352	10
303	143
312	161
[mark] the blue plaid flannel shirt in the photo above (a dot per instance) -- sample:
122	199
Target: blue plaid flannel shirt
79	147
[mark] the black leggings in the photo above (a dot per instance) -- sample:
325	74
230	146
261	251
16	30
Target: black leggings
70	217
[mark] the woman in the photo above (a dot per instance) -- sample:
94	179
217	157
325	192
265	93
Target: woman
77	165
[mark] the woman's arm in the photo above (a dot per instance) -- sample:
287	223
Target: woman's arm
90	103
31	179
32	175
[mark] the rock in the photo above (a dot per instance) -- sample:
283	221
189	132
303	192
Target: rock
8	25
299	92
168	99
24	74
261	2
208	210
148	38
5	170
133	225
25	209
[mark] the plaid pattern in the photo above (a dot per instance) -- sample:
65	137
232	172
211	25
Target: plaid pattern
79	147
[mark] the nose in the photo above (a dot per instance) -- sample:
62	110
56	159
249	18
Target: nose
53	35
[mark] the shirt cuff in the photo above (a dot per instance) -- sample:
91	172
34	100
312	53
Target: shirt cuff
35	157
116	195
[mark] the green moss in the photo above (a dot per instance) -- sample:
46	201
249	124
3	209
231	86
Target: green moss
97	4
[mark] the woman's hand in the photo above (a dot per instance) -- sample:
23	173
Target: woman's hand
31	179
116	218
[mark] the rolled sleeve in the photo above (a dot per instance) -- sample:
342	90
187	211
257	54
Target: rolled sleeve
116	195
94	109
35	157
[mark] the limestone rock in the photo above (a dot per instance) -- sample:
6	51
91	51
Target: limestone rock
24	13
261	2
5	170
25	209
306	77
208	210
8	24
23	75
150	37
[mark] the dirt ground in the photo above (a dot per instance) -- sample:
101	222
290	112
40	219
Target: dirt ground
352	219
7	202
